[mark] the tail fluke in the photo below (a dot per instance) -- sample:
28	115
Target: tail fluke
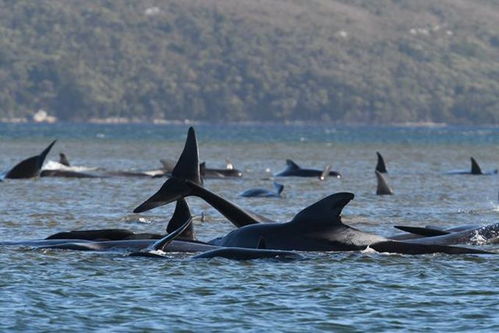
30	167
187	168
380	166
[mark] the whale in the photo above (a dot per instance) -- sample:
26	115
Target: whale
240	253
380	165
264	193
316	228
475	170
294	170
63	168
228	172
157	249
481	235
179	216
30	167
382	187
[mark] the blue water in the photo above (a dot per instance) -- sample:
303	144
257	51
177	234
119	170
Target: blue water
46	290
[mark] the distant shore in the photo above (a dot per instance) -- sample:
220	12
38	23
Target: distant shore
121	120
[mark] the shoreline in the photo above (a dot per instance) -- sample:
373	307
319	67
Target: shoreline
125	121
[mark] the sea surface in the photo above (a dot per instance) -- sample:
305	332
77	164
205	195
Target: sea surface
70	291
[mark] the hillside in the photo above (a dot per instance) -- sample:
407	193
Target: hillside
386	61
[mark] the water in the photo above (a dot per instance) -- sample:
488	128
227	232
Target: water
43	290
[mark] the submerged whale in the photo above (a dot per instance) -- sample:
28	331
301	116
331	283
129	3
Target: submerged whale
316	228
30	167
294	170
264	193
475	170
125	240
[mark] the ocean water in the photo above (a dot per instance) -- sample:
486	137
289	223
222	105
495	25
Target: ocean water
47	290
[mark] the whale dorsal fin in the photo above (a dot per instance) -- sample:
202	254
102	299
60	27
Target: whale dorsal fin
180	215
63	159
383	187
31	166
187	166
380	166
324	212
292	165
475	168
163	242
278	187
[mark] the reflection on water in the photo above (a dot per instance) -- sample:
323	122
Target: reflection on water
43	290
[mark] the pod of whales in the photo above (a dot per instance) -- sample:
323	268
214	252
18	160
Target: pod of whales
316	228
29	167
294	170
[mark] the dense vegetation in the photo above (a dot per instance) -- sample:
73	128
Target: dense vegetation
383	61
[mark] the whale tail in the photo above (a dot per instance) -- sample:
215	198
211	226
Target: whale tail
29	167
383	188
176	187
380	166
475	168
179	217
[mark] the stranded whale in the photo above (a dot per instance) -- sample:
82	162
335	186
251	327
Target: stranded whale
475	170
293	170
264	193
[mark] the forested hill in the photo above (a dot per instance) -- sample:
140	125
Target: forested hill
383	61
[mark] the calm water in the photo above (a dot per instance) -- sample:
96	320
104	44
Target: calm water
46	290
